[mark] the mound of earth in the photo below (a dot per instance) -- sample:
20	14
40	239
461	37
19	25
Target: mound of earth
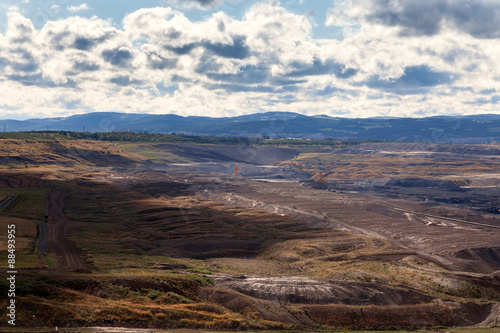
254	308
304	290
424	182
489	255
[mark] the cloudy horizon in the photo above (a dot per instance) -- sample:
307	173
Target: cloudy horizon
345	58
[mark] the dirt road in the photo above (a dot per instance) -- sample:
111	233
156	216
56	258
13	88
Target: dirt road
65	252
449	219
6	202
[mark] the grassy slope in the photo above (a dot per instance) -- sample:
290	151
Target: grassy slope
29	153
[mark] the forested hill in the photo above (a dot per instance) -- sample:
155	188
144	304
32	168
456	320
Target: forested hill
463	129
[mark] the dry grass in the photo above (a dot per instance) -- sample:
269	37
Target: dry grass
26	232
31	153
23	244
24	227
166	301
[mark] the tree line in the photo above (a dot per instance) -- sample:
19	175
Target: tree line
125	136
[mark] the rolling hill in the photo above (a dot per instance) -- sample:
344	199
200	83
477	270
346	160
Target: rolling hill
459	129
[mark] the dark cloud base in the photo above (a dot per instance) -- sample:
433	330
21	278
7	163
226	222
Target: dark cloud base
415	80
479	18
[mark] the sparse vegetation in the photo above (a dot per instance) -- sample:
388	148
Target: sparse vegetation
136	137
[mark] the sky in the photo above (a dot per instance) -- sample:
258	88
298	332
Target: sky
220	58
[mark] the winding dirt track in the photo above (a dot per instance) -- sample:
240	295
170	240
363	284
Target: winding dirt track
65	252
448	219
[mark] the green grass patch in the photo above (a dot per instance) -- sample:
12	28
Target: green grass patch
29	203
30	260
51	261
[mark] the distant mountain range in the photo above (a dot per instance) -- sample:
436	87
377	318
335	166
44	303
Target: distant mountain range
460	129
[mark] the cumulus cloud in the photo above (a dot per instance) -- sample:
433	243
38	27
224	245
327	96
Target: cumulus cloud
18	56
20	30
55	8
161	61
79	8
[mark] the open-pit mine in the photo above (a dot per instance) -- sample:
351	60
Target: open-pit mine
239	237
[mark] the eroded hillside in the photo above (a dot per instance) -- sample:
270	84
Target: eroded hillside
66	153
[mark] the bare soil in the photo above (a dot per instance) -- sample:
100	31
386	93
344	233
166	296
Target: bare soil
301	290
59	226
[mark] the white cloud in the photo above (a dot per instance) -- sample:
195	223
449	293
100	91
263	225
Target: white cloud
55	8
78	8
163	62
